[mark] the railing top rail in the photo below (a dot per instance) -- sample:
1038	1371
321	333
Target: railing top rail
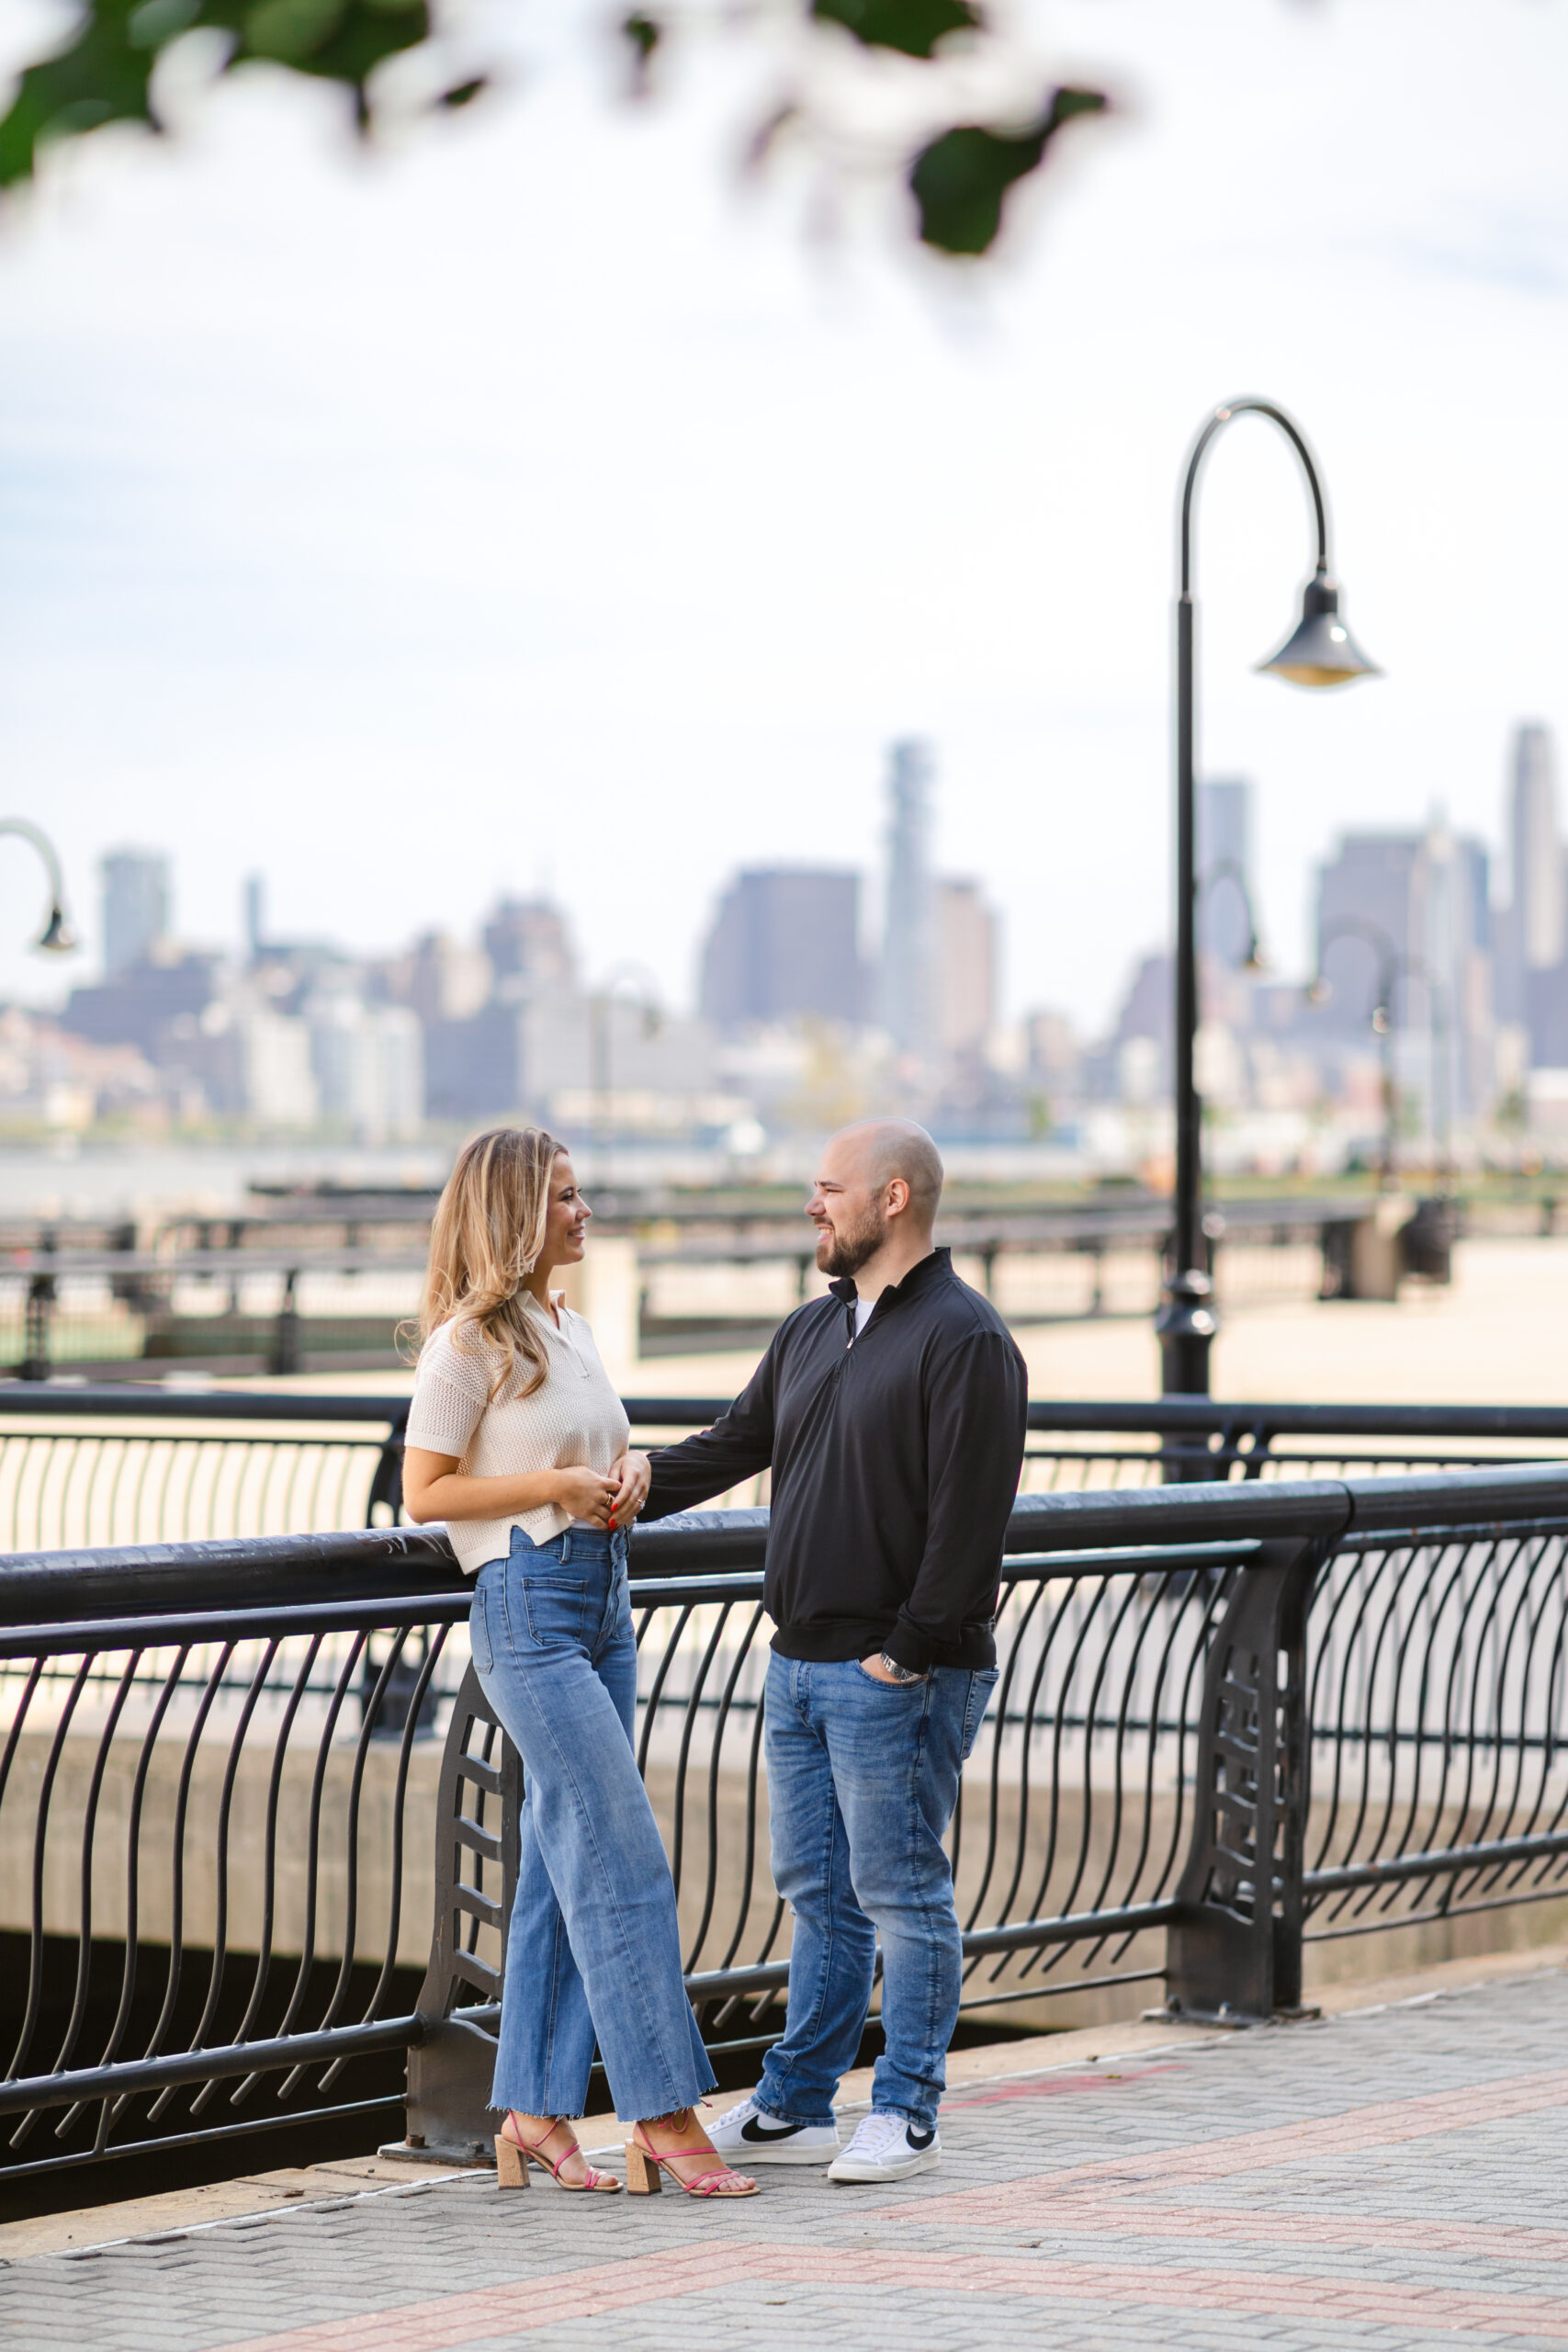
272	1260
395	1564
1172	1416
134	1400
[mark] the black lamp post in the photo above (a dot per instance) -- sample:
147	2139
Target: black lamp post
1391	968
1225	869
1318	993
1320	652
57	938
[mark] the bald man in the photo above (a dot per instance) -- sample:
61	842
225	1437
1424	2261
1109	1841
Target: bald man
892	1415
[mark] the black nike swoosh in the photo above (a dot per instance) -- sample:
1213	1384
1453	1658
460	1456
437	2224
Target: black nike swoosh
920	2139
753	2130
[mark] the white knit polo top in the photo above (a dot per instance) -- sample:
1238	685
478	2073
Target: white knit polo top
575	1422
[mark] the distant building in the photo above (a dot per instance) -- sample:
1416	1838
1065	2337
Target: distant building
136	908
1531	931
785	945
1535	850
446	983
473	1068
368	1066
528	939
139	1003
966	959
908	988
1409	913
1223	848
254	906
277	1079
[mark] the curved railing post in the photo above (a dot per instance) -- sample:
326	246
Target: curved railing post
477	1808
1233	1955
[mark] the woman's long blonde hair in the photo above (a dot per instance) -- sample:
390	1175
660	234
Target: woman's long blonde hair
487	1234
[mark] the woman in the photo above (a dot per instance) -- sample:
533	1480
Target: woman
517	1440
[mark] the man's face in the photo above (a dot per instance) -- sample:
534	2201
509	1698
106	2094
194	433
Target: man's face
848	1212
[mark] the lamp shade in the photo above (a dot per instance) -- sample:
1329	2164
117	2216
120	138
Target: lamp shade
1320	652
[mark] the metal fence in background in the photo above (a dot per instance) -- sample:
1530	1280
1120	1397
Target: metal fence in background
139	1463
257	1826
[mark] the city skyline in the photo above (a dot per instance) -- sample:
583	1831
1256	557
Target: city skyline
1524	813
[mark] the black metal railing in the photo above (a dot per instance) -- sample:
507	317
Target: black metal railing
240	1779
135	1464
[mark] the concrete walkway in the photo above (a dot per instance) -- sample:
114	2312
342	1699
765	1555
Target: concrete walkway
1390	2178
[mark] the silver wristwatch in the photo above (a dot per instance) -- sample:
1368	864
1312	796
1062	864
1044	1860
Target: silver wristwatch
899	1673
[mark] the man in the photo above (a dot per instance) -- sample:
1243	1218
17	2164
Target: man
892	1414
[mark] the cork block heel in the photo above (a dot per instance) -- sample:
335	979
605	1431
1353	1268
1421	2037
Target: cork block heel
642	2171
510	2164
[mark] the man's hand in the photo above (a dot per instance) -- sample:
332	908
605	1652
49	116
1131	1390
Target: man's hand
878	1672
633	1474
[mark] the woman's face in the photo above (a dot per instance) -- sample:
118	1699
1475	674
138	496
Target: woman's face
565	1228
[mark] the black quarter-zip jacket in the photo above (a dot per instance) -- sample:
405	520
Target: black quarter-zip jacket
894	1457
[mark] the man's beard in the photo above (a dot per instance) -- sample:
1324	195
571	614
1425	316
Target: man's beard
842	1253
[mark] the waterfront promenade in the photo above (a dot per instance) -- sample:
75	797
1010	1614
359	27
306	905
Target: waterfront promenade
1392	2177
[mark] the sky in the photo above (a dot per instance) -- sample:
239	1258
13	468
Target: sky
532	504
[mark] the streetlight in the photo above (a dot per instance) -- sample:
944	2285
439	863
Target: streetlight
57	937
1225	869
1320	652
1318	992
601	1005
1391	968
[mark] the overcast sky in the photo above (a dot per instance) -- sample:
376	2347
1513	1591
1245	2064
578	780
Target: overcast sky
532	507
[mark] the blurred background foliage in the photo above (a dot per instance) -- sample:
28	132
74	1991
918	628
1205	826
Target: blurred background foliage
959	173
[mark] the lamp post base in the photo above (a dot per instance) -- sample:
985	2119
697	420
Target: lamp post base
1186	1326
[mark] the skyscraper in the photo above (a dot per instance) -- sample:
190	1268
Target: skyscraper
784	942
965	968
1535	850
254	904
136	908
908	943
1225	869
527	939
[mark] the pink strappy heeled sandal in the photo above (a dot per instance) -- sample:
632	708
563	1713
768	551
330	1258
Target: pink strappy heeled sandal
644	2166
513	2156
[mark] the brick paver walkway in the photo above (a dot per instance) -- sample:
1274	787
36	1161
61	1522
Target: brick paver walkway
1394	2180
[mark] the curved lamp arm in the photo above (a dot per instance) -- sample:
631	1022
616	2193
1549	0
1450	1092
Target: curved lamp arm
1373	936
57	937
1227	869
1297	439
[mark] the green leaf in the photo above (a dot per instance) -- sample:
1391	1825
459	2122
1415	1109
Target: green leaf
642	35
103	71
101	75
960	180
913	27
289	30
340	40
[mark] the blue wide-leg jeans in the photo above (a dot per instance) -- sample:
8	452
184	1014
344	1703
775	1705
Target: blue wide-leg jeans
594	1950
862	1777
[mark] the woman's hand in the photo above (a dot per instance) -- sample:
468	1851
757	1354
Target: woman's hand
587	1494
634	1475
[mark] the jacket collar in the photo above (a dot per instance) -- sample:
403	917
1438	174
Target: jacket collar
918	1277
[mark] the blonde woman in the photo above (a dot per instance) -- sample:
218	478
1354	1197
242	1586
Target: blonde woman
518	1440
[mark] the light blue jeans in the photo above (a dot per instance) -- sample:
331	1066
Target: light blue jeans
862	1777
594	1952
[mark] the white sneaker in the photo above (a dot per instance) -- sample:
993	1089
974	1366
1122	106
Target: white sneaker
886	2147
749	2133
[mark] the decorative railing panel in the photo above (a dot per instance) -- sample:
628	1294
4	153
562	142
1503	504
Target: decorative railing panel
256	1823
